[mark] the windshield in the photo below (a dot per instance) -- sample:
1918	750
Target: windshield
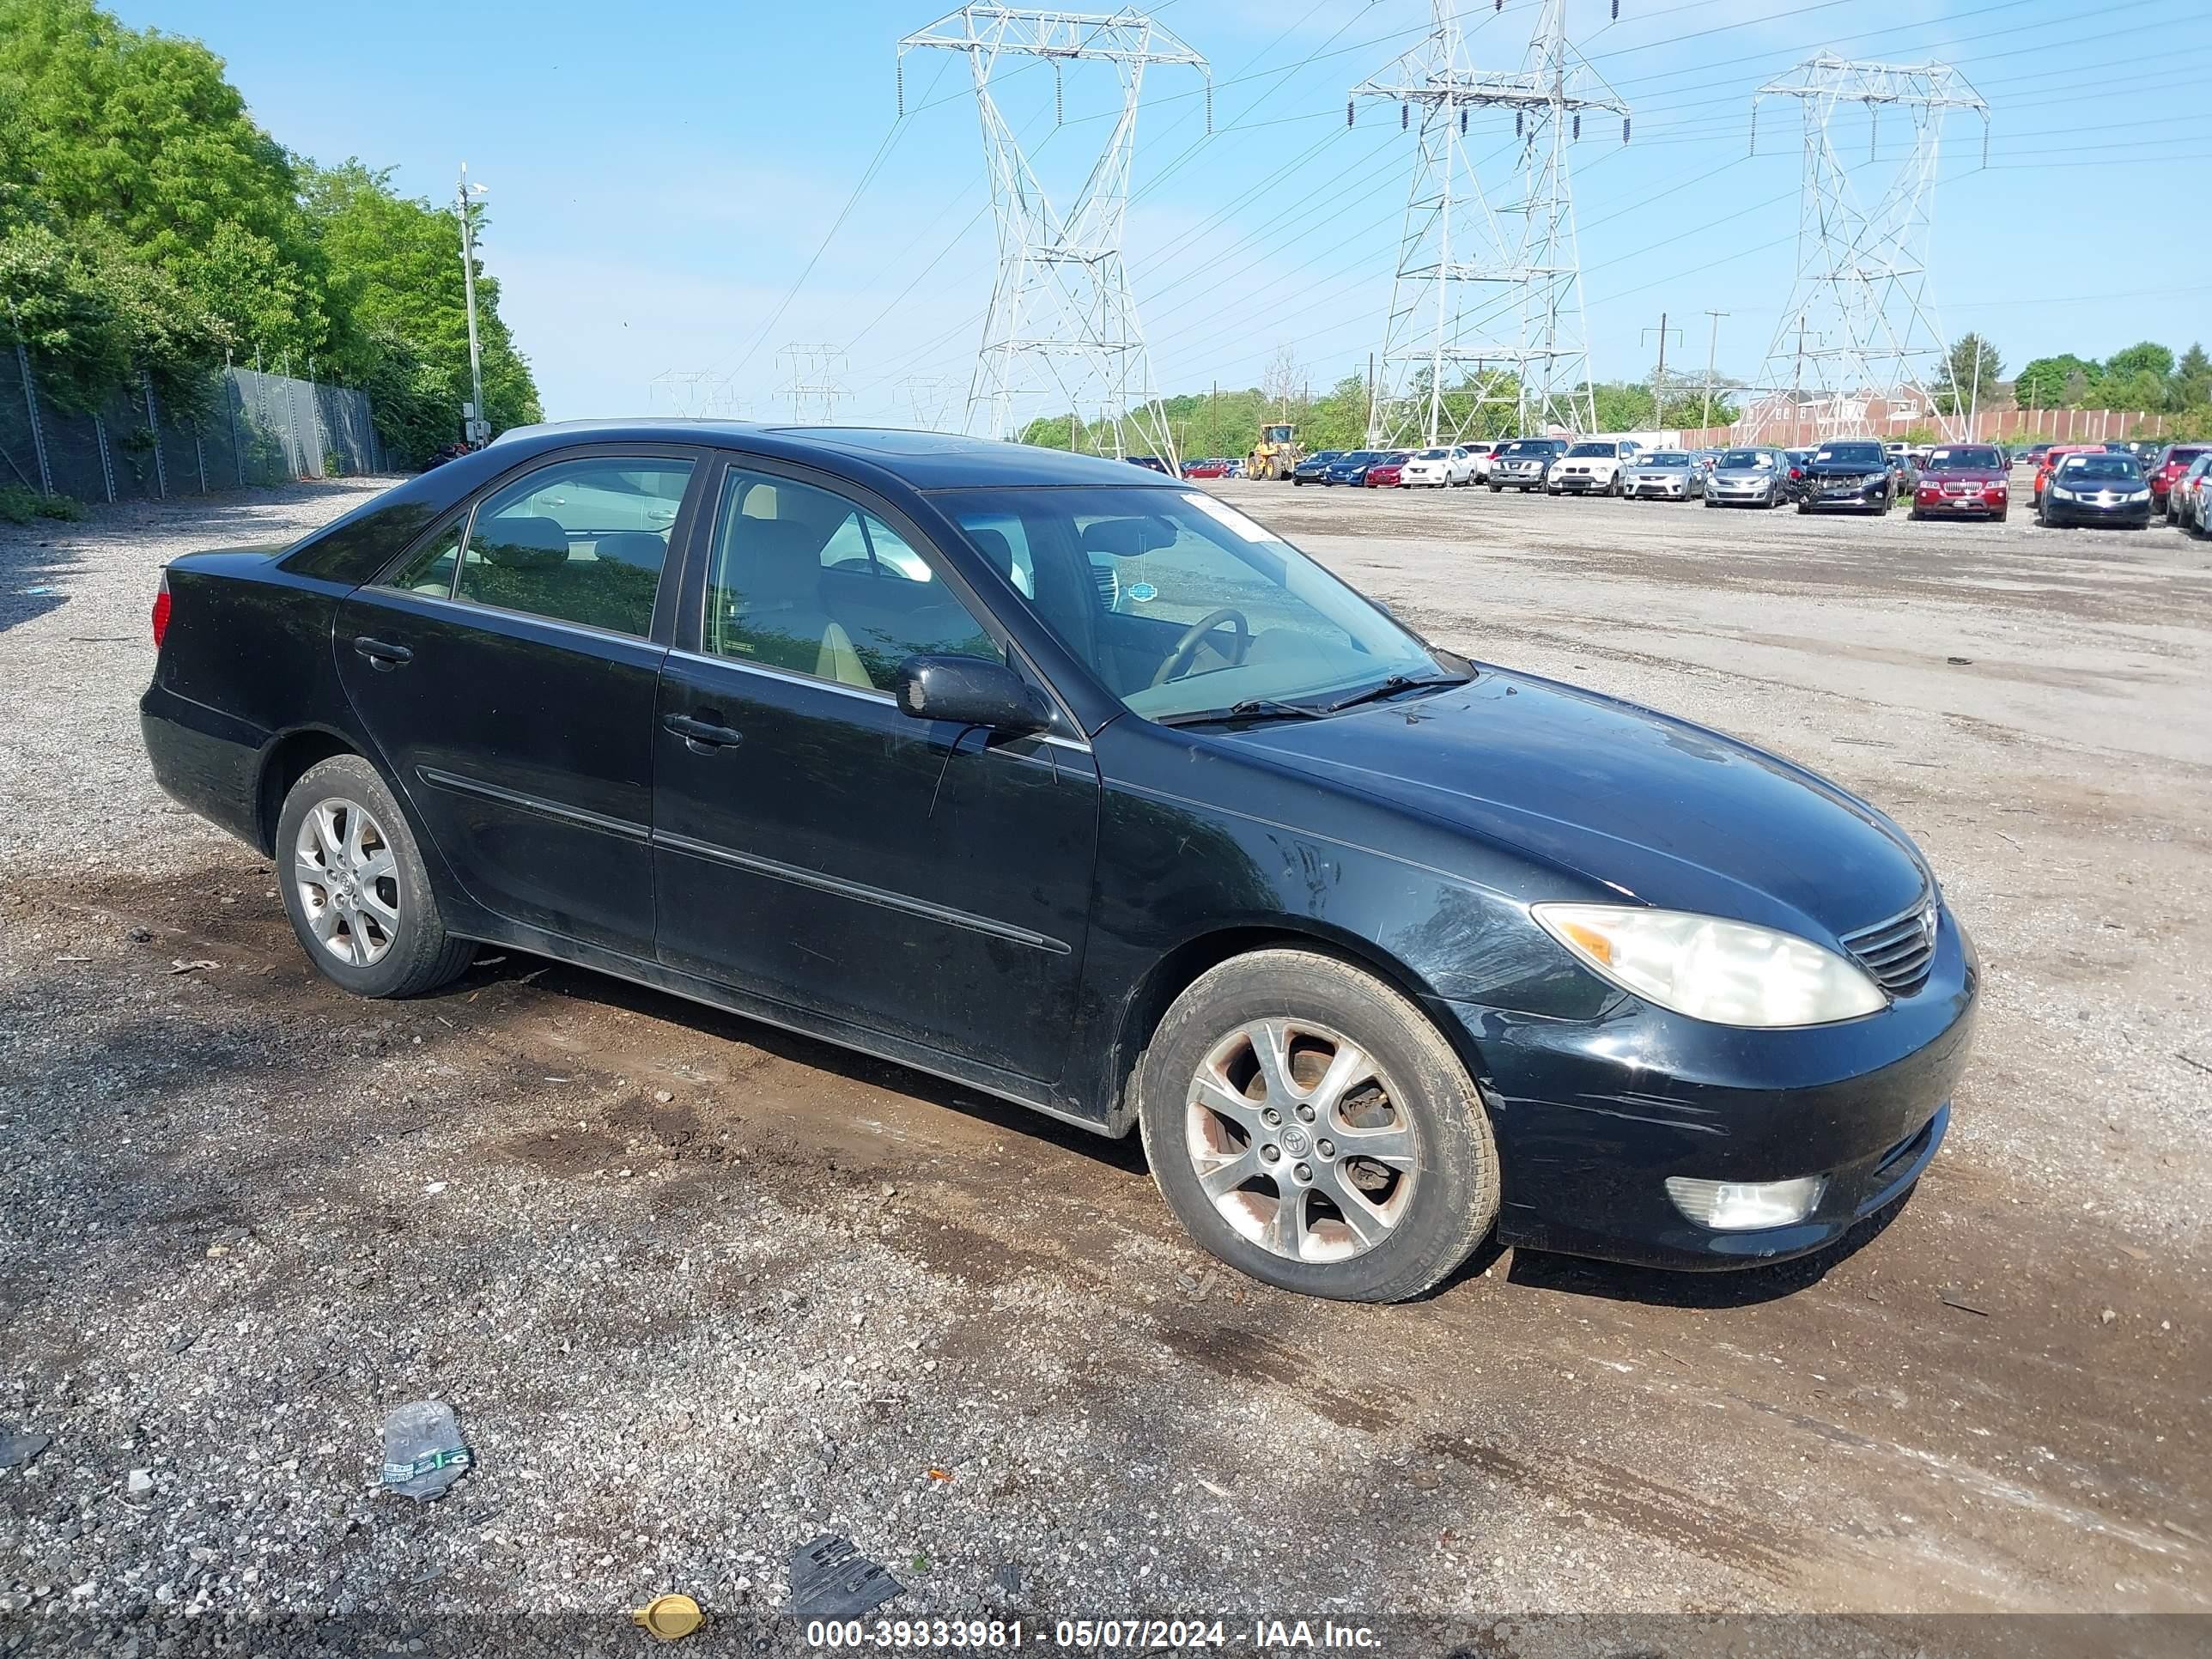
2098	467
1972	457
1849	455
1528	446
1745	457
1363	455
1592	449
1124	577
1436	454
1665	457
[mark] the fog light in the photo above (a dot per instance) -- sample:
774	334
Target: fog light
1738	1205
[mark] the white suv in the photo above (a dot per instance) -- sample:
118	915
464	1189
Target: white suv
1595	467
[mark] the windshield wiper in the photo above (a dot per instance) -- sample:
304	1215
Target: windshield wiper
1390	688
1251	708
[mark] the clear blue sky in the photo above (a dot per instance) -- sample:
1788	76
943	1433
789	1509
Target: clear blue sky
662	175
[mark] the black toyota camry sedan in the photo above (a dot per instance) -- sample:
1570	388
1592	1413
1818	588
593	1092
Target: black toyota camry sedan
1073	783
1847	473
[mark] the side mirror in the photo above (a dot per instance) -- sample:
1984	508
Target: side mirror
972	691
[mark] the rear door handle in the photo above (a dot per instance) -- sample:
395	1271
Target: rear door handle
702	734
381	655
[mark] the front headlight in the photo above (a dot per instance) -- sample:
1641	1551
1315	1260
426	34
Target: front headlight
2143	494
1728	972
2059	494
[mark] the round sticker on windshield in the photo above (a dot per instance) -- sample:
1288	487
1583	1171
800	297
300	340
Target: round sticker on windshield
1142	592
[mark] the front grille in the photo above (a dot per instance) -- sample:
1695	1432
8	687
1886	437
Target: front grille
1898	952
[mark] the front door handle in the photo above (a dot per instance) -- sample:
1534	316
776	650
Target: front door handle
381	655
702	735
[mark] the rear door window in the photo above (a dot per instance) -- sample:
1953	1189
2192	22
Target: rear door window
580	541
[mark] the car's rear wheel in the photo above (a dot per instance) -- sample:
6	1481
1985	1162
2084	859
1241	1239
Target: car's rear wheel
1310	1127
355	887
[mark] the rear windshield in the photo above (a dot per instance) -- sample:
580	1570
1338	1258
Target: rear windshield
2098	467
1850	454
2182	457
1966	455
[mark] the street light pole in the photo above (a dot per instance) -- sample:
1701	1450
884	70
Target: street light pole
461	200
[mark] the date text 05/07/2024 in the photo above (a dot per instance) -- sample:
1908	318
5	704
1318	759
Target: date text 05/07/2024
1148	1635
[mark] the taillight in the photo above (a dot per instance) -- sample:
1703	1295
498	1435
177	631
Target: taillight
161	611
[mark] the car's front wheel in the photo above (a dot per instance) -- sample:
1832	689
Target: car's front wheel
355	887
1308	1126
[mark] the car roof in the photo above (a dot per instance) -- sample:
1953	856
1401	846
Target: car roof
921	461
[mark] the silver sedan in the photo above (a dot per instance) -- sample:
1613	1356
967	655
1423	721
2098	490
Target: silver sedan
1669	474
1752	477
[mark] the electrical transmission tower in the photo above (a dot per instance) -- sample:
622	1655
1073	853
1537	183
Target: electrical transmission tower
689	394
1859	323
1487	309
810	381
1062	318
931	398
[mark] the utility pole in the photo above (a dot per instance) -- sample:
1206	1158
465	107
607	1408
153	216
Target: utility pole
479	424
1712	346
1659	374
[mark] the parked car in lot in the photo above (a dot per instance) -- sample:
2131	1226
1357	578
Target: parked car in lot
1151	464
1438	468
1962	481
1525	464
1594	467
1310	470
2171	463
2049	465
1661	475
1174	860
1210	466
1480	454
1849	473
1351	468
2186	500
1755	475
1388	473
2100	487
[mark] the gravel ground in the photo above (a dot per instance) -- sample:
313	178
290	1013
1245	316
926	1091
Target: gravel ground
699	1292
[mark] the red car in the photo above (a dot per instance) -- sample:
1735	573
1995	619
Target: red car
1214	467
2055	454
1963	481
2171	466
1385	474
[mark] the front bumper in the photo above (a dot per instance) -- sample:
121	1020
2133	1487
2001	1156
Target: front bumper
1592	1116
1978	505
1856	498
2081	512
1671	489
1582	483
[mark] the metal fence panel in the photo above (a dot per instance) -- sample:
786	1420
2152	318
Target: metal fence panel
248	427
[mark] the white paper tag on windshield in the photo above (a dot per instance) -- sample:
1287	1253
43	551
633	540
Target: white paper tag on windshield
1223	513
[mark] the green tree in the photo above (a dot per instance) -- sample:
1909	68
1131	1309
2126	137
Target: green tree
2045	382
2146	356
2192	380
1973	367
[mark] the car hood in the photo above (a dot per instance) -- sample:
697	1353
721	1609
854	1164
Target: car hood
1637	802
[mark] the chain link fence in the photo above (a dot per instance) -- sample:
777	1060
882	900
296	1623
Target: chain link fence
247	427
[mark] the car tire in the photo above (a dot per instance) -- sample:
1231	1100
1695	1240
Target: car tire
376	930
1439	1204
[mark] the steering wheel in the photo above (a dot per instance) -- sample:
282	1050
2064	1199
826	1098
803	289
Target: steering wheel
1185	654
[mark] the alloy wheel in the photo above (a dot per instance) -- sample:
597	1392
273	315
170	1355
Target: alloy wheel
348	880
1298	1139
